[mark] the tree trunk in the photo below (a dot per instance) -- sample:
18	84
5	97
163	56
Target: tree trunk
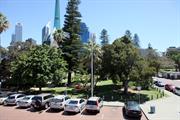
40	89
69	78
125	83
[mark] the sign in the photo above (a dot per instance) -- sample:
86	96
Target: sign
138	88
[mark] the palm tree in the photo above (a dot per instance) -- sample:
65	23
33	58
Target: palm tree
92	55
58	36
4	24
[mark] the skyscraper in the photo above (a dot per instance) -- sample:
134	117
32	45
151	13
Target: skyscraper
84	32
46	33
18	32
13	39
57	15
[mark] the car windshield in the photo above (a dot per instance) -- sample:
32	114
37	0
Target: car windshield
73	102
177	88
133	105
91	102
57	100
26	98
11	97
37	98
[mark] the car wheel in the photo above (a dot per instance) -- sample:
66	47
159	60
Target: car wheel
5	103
46	105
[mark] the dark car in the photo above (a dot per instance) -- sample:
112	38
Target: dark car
41	101
170	87
159	83
132	109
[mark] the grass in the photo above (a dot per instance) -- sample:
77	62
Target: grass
109	92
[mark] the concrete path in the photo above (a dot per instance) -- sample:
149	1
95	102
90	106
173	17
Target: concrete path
165	108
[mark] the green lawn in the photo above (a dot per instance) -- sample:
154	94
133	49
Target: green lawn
110	92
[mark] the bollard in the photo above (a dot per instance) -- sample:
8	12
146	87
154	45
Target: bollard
112	97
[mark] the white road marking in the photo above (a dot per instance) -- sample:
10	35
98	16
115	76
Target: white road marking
102	117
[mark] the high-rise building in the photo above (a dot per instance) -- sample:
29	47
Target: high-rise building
18	32
13	39
46	33
57	15
84	33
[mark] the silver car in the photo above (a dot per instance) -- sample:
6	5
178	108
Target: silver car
94	104
25	102
59	101
75	105
177	90
12	99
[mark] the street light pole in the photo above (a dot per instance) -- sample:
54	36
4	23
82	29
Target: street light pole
92	67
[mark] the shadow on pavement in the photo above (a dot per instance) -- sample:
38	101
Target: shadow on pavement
54	110
89	113
34	110
69	113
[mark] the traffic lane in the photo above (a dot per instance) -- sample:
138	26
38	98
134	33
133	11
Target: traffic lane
106	113
168	81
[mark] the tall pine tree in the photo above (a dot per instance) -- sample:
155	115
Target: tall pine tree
72	44
104	37
136	40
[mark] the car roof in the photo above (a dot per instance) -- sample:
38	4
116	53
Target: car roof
93	98
16	94
75	99
60	96
44	94
29	96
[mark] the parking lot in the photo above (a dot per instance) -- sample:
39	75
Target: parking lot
107	113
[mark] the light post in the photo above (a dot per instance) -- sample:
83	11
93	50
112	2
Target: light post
139	89
92	65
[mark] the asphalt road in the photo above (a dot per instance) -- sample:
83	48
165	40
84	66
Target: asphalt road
107	113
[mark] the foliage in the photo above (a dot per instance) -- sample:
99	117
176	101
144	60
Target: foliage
136	40
58	36
4	24
104	37
72	45
39	66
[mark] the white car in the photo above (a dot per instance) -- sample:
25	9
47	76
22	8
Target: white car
177	90
12	99
25	101
4	96
59	101
94	104
75	105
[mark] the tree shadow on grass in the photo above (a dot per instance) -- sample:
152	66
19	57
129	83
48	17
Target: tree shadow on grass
113	93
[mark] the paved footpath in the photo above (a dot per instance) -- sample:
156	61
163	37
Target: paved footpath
167	108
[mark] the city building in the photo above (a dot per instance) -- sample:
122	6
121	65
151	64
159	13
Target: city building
18	32
13	39
57	15
84	33
46	33
17	36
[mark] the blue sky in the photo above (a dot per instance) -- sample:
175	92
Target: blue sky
155	21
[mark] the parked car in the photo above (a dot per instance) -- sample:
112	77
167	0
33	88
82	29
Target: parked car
59	101
94	104
4	96
132	109
170	87
75	105
12	99
41	101
159	83
26	101
177	90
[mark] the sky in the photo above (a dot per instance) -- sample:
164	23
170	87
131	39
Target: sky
155	21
